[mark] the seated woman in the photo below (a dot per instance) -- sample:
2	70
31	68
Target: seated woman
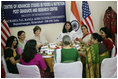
21	42
94	56
86	35
11	55
31	57
67	30
68	54
41	40
107	38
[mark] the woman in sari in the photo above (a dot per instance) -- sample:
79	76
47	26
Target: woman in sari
94	56
107	39
86	36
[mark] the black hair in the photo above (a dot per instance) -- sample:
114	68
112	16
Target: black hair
29	50
97	36
10	42
107	32
19	33
84	26
64	29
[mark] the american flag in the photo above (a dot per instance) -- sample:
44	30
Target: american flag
86	16
5	32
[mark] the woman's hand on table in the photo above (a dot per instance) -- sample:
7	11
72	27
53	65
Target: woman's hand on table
78	40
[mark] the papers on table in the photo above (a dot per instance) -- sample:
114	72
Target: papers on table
44	49
47	50
52	45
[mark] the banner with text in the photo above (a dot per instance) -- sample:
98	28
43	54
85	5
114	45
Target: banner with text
24	13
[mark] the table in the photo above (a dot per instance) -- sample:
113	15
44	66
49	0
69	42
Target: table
49	62
48	55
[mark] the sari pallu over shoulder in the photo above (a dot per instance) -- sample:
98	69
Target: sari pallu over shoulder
92	62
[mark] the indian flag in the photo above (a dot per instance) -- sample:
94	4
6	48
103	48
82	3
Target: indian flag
75	19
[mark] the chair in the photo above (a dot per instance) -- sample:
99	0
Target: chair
57	56
109	68
28	71
68	70
7	73
113	51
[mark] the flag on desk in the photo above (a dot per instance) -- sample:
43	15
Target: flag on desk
75	19
86	16
5	33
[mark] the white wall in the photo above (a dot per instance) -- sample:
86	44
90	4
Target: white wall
51	31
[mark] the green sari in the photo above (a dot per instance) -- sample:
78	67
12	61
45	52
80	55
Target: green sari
93	61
